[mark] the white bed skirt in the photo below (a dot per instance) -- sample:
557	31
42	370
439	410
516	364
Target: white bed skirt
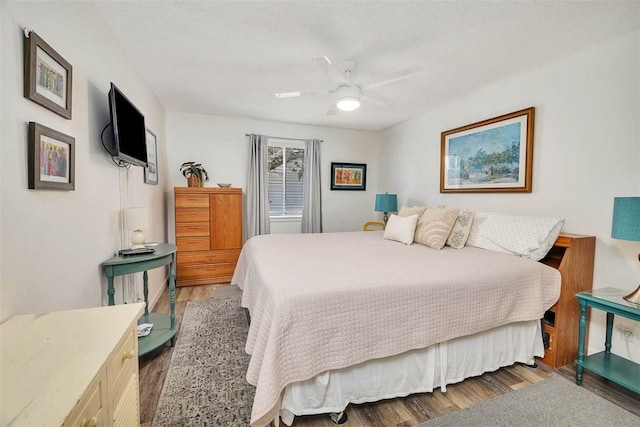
417	371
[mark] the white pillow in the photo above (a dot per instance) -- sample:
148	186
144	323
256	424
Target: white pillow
401	228
528	236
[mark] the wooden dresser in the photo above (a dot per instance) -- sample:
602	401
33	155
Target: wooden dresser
208	234
573	255
71	368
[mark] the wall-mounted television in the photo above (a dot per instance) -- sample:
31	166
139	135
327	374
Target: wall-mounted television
129	133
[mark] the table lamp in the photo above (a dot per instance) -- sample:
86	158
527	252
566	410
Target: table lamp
386	203
137	221
626	226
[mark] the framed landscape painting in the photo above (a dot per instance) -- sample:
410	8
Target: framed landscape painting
348	176
495	155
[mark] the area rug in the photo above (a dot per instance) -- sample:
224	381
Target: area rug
205	383
552	402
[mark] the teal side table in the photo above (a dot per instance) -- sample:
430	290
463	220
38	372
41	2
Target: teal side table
606	364
164	325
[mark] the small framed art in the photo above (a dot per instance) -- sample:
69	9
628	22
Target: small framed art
348	176
495	155
51	156
48	76
151	171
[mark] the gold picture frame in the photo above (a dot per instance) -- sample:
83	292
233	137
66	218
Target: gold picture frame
491	156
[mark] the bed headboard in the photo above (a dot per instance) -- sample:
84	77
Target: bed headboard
573	255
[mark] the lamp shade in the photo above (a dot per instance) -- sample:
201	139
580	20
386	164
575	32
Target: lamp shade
136	218
626	218
386	202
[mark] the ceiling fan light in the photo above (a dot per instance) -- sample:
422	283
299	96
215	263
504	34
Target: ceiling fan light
348	103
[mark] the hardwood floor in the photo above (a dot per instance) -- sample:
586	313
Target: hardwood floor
400	412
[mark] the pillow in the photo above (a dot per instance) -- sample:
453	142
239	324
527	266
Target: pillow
400	228
461	229
527	236
411	210
434	227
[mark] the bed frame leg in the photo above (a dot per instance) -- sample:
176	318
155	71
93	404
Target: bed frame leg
339	417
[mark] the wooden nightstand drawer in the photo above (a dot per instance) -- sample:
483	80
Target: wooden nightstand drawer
192	201
192	215
192	229
203	271
192	244
209	257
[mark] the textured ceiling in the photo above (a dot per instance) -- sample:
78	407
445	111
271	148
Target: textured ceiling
229	57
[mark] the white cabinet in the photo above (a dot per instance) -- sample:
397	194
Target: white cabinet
72	368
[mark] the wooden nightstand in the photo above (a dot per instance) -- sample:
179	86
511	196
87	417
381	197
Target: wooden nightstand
606	364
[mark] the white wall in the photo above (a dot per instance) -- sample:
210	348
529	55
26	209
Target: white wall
586	152
220	144
53	242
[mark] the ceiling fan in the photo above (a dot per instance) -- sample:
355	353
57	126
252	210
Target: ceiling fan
349	93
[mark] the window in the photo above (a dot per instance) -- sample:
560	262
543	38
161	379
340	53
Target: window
286	171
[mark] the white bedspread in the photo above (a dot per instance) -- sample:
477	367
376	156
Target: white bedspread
326	301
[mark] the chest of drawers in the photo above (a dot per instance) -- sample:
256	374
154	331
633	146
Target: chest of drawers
71	368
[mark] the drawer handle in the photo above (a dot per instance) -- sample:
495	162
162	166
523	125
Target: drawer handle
127	354
93	422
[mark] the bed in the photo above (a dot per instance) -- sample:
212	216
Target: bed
339	318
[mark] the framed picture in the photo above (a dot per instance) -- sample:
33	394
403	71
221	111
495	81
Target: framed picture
495	155
47	76
348	176
151	171
51	157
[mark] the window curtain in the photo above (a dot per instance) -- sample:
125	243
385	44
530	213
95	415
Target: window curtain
257	215
312	200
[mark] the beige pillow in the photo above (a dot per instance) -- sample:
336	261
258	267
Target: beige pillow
412	210
435	226
461	229
401	228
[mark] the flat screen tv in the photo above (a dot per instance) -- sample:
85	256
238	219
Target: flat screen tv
129	133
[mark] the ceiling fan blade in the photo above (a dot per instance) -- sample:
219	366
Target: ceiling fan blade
287	94
392	77
378	98
333	110
322	62
299	93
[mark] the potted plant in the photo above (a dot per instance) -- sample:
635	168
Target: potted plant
194	172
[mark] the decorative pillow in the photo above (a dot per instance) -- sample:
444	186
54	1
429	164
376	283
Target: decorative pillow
461	229
401	228
435	226
527	236
412	210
